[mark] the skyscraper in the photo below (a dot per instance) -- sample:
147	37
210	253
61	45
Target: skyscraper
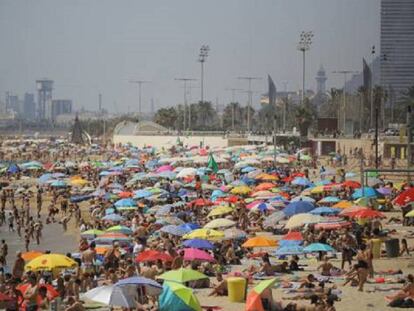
397	45
321	80
29	106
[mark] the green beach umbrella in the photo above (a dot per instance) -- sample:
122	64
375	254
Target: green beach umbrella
182	275
212	164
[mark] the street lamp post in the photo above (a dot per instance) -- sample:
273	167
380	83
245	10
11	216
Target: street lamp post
233	92
250	98
140	83
304	44
202	58
345	73
185	80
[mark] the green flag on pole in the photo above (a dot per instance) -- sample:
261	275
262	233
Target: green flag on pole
212	164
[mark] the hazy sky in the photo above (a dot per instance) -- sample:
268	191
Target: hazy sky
95	46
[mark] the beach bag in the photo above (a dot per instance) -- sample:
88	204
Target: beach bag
408	303
396	303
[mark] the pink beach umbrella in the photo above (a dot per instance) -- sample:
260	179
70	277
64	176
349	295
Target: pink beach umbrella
164	168
197	254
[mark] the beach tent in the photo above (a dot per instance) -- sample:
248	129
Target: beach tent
177	297
256	297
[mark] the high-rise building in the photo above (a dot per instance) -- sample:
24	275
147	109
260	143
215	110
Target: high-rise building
44	101
29	106
397	45
321	81
61	106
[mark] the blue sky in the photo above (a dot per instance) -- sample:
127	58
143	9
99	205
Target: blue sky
95	46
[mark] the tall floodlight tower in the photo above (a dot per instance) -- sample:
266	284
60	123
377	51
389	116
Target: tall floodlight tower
44	99
202	58
304	45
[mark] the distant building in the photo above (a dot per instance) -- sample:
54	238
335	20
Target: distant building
29	107
321	80
12	103
397	45
44	99
60	106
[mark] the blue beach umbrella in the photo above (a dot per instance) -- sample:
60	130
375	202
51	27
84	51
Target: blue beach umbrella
369	192
127	202
298	207
141	194
173	230
198	243
289	250
324	210
113	217
318	247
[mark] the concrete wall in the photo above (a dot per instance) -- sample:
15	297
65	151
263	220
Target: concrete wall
168	141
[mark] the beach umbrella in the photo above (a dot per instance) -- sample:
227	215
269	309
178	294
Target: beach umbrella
298	207
164	210
198	243
254	299
113	217
332	225
152	255
188	227
27	256
171	220
288	250
315	190
272	220
241	190
264	186
293	236
128	202
343	204
164	168
78	182
262	207
404	197
262	193
152	288
101	294
234	234
385	190
125	194
186	172
182	275
220	210
219	223
410	214
324	210
260	241
365	213
141	194
248	169
354	208
49	262
351	184
120	229
302	219
44	178
367	192
206	234
197	254
301	181
4	297
318	247
92	233
58	184
173	230
177	297
329	199
303	198
267	177
350	175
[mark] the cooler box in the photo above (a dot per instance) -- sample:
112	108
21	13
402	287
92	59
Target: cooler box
393	248
376	248
237	289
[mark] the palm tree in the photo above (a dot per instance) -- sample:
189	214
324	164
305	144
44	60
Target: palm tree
166	117
305	115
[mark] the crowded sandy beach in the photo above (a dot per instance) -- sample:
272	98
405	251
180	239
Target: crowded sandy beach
185	227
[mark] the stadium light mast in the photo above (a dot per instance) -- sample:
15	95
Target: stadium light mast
201	59
185	81
305	41
250	99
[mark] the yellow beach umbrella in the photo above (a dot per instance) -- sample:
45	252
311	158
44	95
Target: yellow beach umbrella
317	189
50	262
343	204
204	234
241	190
219	223
220	210
410	214
300	220
260	241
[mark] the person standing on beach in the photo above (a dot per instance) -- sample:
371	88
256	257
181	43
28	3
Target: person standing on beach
4	249
39	200
18	267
